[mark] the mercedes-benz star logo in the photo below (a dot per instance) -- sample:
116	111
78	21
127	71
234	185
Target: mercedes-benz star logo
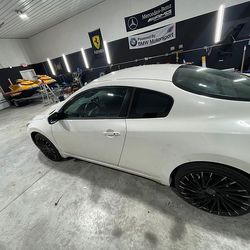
132	23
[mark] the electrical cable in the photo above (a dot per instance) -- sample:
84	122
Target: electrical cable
206	48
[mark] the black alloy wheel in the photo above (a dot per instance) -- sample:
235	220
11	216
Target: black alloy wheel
47	147
214	188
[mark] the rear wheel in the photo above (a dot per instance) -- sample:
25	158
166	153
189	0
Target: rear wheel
214	188
47	147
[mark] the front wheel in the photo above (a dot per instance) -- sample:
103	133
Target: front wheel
214	188
47	147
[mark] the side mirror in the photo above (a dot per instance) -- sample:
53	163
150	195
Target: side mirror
55	117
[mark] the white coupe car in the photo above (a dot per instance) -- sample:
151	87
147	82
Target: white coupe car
181	125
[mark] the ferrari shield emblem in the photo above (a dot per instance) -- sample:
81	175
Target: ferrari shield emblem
96	41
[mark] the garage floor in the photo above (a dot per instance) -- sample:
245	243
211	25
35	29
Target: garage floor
79	205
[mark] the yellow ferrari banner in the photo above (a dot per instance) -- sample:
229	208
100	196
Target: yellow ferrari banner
96	41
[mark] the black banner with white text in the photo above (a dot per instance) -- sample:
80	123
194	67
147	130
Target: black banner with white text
150	17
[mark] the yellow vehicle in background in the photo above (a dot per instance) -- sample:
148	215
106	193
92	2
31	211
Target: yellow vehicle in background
24	85
46	79
24	89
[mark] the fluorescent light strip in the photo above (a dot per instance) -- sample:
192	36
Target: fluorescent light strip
219	23
66	63
240	80
202	85
51	67
201	69
107	52
85	58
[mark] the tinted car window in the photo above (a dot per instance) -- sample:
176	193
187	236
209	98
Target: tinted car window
212	82
150	104
97	103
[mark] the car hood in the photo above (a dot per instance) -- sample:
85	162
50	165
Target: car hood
47	112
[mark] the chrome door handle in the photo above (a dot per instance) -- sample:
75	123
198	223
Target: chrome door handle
111	133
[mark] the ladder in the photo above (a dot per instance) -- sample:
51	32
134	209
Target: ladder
47	94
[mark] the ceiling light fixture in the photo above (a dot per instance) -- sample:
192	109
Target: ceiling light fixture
219	23
85	58
66	63
107	52
22	15
51	67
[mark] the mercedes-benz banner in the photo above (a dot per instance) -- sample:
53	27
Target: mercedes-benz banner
150	17
153	37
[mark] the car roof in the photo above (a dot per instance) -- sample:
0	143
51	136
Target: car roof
162	72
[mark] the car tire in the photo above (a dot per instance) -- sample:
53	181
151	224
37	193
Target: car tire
214	188
47	147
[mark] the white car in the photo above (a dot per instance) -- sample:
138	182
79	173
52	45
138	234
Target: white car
181	125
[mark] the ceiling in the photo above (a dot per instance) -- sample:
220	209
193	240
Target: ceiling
42	14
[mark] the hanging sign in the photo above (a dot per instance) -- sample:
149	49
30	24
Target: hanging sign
150	17
153	37
96	41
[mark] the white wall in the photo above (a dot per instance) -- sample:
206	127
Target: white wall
69	36
13	52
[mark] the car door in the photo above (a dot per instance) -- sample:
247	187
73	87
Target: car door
94	127
147	148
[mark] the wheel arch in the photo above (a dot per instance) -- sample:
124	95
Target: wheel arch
173	173
33	134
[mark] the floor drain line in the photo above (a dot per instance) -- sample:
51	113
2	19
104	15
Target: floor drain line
24	191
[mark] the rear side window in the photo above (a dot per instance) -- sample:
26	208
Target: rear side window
213	82
150	104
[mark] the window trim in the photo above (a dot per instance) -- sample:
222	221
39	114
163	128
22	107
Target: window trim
123	111
143	118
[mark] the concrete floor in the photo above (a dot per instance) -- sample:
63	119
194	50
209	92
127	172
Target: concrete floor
97	207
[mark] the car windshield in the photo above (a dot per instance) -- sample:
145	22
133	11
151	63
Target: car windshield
213	82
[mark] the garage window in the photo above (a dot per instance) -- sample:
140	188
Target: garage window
213	83
150	104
